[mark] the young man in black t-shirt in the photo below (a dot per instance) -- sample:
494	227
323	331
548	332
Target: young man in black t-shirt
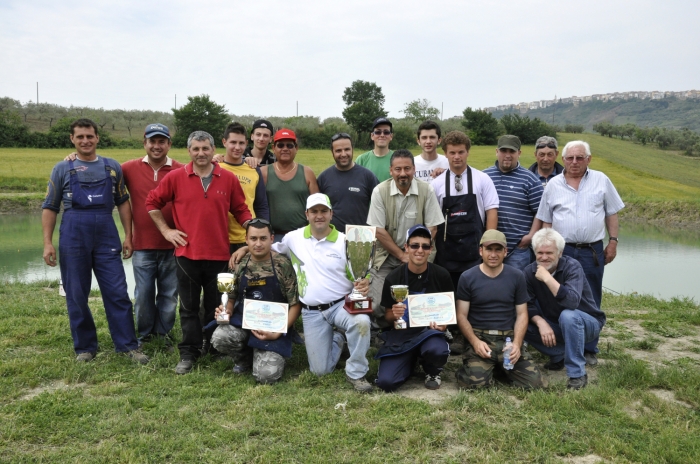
402	348
491	306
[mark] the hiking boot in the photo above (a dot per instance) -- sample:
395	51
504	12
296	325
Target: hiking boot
577	383
458	344
361	385
184	366
138	356
297	338
241	368
85	357
591	359
432	382
554	366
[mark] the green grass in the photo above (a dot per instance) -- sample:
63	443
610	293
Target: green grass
112	410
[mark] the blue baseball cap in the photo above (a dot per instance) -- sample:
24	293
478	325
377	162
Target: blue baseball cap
156	129
418	227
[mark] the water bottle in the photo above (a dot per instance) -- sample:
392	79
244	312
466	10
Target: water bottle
507	365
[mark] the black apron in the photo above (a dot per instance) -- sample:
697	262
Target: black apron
457	240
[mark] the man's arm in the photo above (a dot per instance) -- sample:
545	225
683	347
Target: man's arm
260	206
492	219
125	218
519	330
388	243
174	236
613	225
481	348
48	224
310	180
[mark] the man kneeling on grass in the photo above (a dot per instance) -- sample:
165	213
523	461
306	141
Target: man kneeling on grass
492	306
563	312
267	276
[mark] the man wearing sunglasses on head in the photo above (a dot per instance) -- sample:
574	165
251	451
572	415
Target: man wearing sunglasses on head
545	166
348	185
378	160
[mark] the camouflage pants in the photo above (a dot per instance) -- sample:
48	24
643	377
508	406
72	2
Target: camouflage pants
477	372
268	366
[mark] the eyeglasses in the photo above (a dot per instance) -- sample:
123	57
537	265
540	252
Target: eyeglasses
458	183
340	135
578	159
546	145
382	132
289	145
424	246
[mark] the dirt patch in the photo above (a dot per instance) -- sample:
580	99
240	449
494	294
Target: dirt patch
588	459
636	409
669	397
50	388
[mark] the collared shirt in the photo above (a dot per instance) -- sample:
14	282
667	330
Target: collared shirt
558	169
320	265
574	292
483	188
579	215
406	210
519	195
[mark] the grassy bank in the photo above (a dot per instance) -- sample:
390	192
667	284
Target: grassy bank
642	404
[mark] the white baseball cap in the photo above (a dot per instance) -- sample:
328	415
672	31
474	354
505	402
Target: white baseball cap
318	199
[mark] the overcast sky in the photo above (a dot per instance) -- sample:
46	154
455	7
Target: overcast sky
261	57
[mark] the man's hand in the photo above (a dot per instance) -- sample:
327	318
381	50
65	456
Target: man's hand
50	255
434	326
236	257
252	162
220	309
547	334
482	349
542	274
610	251
218	158
514	353
127	248
436	172
72	157
264	335
404	257
362	286
525	241
398	310
176	237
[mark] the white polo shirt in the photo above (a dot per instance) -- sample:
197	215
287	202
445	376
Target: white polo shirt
320	265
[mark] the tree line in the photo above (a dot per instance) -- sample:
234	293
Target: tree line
683	139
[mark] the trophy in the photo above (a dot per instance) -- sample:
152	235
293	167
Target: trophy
225	284
360	246
399	293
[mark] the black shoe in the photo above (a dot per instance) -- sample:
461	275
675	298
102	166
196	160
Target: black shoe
184	366
554	366
577	383
591	359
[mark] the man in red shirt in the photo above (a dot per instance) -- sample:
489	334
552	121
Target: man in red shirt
202	195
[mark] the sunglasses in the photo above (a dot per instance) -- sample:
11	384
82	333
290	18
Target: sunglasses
575	158
340	135
381	132
262	221
424	246
458	183
546	145
289	145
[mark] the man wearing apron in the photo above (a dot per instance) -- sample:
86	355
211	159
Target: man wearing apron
261	275
89	188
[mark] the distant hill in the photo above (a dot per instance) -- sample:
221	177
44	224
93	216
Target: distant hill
667	112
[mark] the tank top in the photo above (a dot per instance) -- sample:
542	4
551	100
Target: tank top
287	200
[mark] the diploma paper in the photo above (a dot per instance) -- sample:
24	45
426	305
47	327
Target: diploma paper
265	315
432	307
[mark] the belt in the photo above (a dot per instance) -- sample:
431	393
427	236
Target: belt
588	245
323	307
504	333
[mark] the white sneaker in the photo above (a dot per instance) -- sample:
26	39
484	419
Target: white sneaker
432	382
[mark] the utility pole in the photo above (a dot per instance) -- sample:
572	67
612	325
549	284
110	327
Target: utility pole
442	111
175	101
297	108
37	93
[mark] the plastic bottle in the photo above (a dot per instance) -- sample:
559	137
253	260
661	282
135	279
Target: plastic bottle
507	365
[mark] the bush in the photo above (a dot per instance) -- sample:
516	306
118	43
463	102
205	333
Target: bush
574	128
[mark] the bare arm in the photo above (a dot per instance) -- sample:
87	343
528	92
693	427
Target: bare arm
174	236
125	218
527	239
481	348
521	320
613	225
48	224
388	243
311	180
263	170
492	219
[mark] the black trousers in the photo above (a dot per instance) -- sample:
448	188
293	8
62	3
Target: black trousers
193	278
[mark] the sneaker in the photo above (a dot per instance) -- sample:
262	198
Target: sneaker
85	357
361	385
432	382
591	359
184	366
138	356
577	383
554	366
240	368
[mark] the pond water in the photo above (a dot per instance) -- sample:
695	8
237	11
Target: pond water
650	260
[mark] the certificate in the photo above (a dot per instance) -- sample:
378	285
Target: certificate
431	307
265	315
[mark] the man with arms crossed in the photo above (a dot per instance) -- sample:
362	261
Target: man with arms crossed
348	185
267	276
89	188
378	160
492	305
563	314
202	195
430	164
545	166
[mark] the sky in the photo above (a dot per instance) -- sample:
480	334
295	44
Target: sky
261	57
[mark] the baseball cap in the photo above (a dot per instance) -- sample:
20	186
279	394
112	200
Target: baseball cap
285	134
509	141
318	199
156	129
382	120
546	140
262	124
417	228
492	236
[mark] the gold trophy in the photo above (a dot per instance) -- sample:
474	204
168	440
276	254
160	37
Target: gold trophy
360	246
399	293
225	283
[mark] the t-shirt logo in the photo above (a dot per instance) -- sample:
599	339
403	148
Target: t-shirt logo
90	197
353	189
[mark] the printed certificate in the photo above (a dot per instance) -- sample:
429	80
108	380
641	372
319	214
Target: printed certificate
432	307
265	315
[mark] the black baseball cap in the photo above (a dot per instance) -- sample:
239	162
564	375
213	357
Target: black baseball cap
382	120
264	124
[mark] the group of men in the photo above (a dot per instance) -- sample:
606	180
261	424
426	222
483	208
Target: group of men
441	226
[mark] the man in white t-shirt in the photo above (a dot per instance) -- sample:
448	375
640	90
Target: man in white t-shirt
429	164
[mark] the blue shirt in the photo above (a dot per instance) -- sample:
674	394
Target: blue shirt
574	292
519	194
558	169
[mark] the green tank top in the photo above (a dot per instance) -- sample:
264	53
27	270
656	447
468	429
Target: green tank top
287	200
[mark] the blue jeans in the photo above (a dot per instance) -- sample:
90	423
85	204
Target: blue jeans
155	313
394	371
593	273
519	258
324	345
573	331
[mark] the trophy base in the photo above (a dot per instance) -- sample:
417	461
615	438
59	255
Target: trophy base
222	320
362	306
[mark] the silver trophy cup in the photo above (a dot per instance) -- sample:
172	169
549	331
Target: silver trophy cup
226	284
360	246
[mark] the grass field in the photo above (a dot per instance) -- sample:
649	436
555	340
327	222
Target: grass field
642	404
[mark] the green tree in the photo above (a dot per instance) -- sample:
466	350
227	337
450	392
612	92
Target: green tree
481	126
420	110
199	113
526	129
365	103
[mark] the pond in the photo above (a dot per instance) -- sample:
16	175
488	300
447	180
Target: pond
650	261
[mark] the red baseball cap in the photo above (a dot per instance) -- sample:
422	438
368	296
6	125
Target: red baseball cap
285	134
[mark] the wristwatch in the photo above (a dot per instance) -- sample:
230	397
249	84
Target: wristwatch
613	238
